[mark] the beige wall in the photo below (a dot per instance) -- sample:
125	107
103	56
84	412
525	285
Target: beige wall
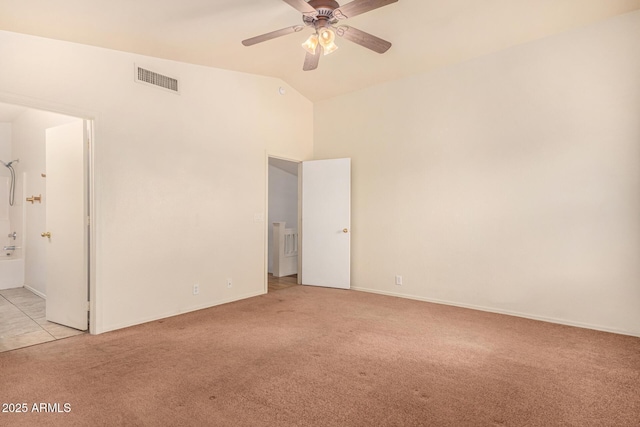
509	183
178	178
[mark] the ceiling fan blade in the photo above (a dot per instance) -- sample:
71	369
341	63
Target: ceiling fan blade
272	35
367	40
311	60
358	7
302	6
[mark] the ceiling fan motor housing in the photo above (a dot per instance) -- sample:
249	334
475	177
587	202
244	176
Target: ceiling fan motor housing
325	16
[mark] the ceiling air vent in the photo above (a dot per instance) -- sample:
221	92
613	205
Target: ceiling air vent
155	79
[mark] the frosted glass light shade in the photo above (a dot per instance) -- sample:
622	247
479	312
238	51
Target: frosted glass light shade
311	44
326	38
331	47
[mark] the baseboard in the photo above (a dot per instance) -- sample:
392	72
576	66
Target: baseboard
40	294
500	311
171	314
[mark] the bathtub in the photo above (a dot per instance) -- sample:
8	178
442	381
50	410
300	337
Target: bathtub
11	272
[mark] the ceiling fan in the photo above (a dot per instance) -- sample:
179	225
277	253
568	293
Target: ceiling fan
323	15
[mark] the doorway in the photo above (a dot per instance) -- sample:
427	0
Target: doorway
322	240
27	301
282	224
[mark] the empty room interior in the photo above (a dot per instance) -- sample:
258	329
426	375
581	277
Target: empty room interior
267	212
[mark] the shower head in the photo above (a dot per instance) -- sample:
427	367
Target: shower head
10	163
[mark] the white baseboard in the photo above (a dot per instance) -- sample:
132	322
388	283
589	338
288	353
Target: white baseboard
171	314
501	311
40	294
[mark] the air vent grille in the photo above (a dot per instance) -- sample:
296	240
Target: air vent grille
150	77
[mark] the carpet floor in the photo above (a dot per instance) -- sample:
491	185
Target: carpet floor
306	356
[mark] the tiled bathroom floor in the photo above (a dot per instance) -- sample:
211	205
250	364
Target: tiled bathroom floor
23	322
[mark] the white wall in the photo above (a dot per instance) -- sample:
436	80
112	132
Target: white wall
5	146
5	225
178	178
283	203
28	145
509	183
5	156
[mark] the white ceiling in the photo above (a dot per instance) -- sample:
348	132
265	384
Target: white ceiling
426	34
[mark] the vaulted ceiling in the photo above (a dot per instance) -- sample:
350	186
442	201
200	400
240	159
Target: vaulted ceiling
426	34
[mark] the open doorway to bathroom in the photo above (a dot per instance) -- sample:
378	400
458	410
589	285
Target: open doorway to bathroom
48	187
282	266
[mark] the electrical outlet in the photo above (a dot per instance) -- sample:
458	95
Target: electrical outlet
399	280
229	283
196	289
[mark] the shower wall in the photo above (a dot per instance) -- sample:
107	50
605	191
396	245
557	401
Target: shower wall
5	224
11	267
5	155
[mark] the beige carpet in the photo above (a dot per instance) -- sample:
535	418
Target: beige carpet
307	356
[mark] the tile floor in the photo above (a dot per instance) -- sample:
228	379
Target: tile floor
23	322
277	283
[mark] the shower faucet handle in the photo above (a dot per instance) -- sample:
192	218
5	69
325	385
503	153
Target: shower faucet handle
35	199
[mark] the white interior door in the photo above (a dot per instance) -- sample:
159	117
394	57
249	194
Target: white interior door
326	223
67	259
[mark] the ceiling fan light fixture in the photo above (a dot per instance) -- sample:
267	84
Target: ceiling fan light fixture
311	44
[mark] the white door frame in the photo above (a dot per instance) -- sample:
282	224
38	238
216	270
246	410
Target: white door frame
266	215
91	118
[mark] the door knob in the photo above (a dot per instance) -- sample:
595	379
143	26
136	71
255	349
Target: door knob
345	230
47	234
